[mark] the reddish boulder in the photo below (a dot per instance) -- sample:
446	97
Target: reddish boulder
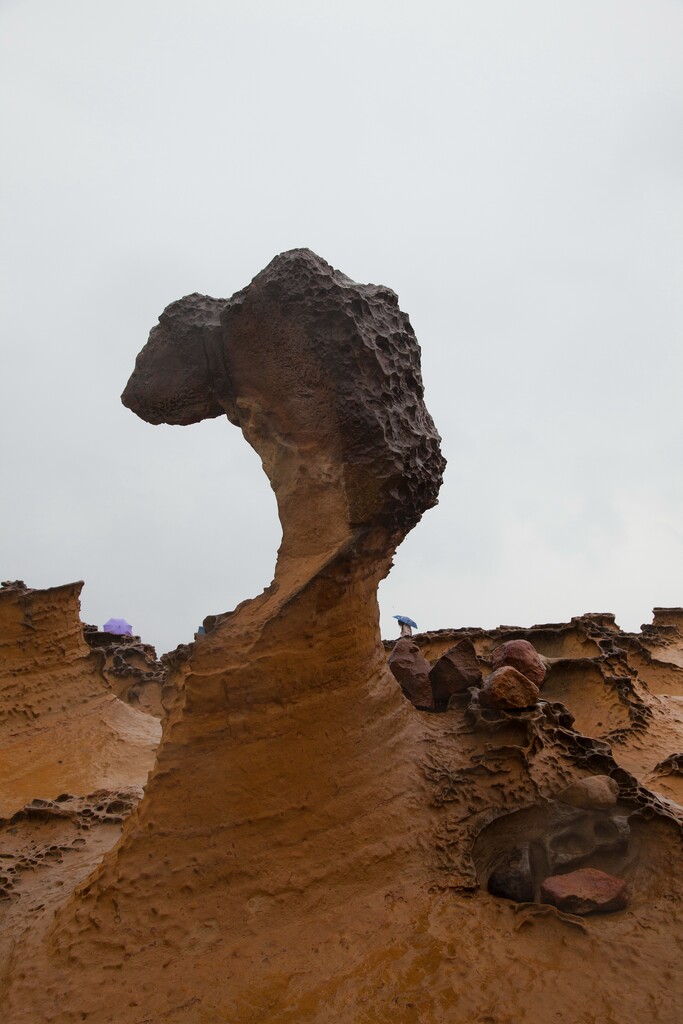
507	688
455	671
411	670
586	891
521	655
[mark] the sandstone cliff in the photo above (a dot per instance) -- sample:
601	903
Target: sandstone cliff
73	758
52	691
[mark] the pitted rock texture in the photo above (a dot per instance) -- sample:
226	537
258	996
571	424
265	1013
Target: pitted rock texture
53	695
21	831
287	696
343	422
73	758
132	669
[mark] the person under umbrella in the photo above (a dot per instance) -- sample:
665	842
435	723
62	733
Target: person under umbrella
407	625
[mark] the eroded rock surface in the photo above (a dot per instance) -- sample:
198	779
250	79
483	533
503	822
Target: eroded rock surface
289	695
133	671
73	758
53	694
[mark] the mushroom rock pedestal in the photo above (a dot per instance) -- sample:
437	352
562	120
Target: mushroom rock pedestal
269	813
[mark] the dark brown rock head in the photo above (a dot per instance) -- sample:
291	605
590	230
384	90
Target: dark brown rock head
455	672
323	377
411	670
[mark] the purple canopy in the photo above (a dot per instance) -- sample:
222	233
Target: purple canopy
118	626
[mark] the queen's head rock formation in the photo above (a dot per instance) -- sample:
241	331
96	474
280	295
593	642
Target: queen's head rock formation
269	802
311	846
322	375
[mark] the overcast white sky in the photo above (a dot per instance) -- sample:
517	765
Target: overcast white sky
512	168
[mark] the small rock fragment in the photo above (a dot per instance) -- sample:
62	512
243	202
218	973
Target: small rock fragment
671	765
586	891
411	670
521	655
508	688
455	671
512	878
597	792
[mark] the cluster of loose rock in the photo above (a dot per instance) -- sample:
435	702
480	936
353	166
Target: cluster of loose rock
517	677
582	823
430	688
518	673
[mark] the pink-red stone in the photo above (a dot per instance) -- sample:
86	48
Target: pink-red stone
586	891
521	655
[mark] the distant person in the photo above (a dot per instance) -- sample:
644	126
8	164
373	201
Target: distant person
407	625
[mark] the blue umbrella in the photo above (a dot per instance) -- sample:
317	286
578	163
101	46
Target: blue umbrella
408	622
